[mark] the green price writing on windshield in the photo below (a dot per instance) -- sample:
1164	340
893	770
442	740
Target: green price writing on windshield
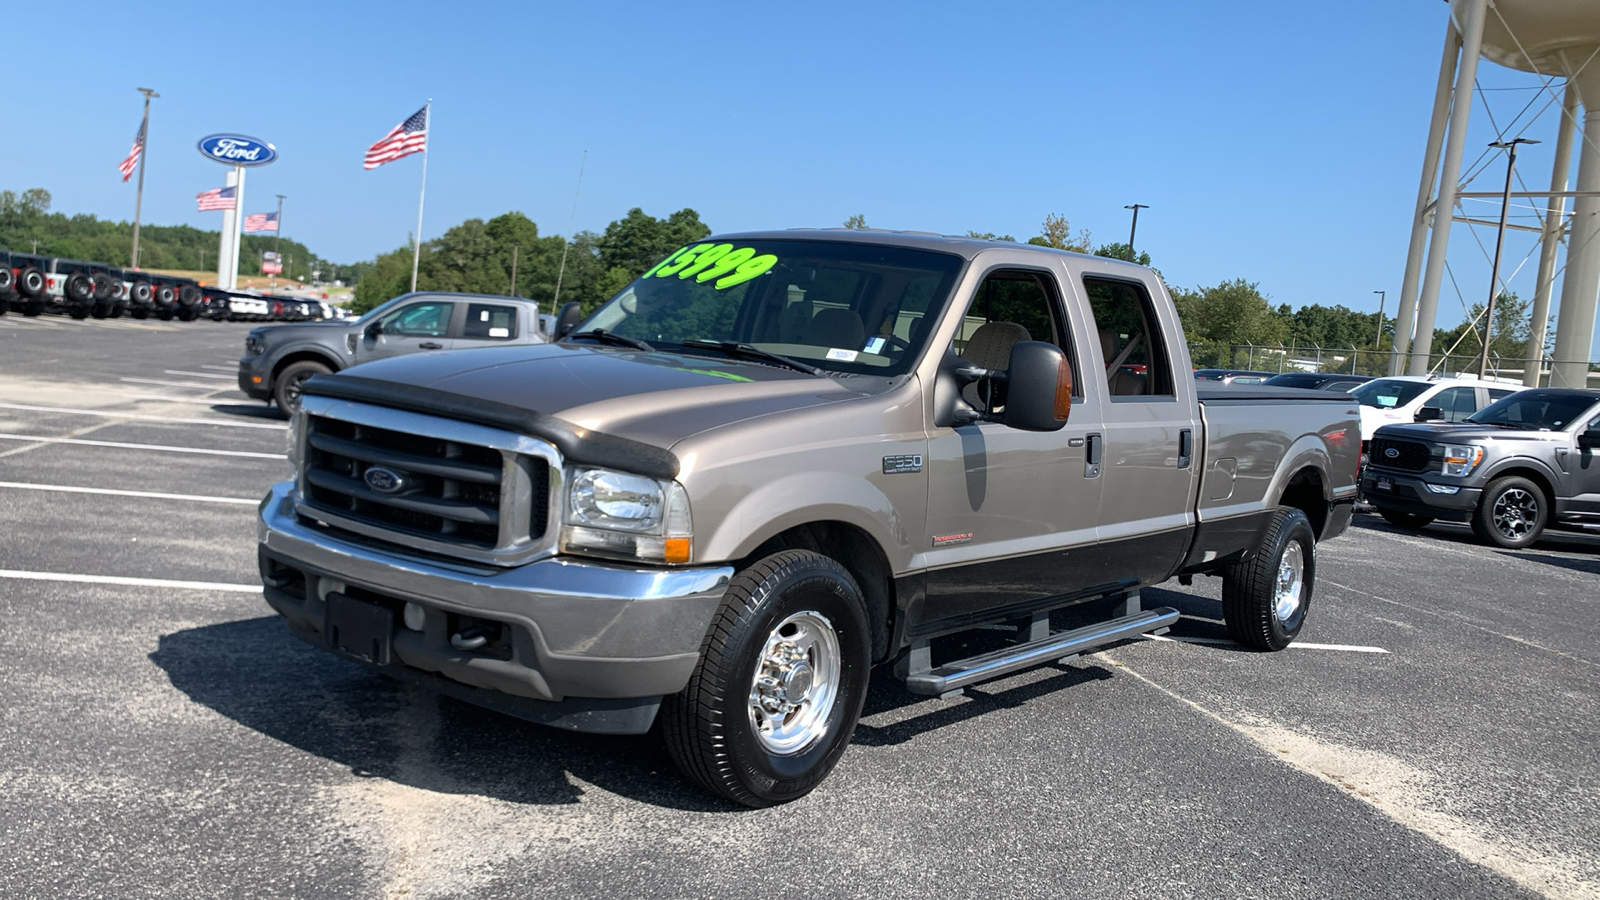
724	263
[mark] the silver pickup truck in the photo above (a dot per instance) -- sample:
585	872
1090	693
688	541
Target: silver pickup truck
779	459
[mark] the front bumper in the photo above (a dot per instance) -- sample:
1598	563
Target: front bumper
255	384
584	645
1408	493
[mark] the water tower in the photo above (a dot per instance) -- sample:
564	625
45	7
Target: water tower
1559	38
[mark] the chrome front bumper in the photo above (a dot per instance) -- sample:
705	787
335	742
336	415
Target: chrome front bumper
576	629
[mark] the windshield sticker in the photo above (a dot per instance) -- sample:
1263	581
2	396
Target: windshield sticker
874	345
729	266
842	355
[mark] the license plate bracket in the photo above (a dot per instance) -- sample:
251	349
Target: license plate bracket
1383	484
358	629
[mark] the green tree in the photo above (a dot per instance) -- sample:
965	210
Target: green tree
1056	232
1123	252
857	222
990	236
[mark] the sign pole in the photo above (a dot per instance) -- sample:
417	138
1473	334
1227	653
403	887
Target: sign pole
233	229
138	198
416	242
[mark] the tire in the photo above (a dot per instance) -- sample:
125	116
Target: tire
78	310
30	282
1512	513
713	729
1408	521
79	288
139	312
7	278
100	310
188	295
31	308
188	314
1265	598
286	389
102	287
141	292
117	310
165	295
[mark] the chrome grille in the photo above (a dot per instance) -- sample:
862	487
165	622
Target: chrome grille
1409	456
444	490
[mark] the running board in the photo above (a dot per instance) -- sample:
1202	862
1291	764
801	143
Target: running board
951	677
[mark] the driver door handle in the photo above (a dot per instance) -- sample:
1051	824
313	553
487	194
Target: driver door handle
430	345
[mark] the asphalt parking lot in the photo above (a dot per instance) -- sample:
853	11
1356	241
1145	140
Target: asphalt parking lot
1434	735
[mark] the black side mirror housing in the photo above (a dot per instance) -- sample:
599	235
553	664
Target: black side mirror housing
566	320
1038	387
1429	414
373	330
1590	439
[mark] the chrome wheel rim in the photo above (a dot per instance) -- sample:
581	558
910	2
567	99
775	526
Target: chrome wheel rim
796	684
1290	585
1515	512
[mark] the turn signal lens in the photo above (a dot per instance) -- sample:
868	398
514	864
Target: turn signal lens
1063	407
1459	461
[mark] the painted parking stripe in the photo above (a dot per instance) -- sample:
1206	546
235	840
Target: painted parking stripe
135	582
220	368
196	374
154	495
34	438
209	387
203	401
1304	645
124	415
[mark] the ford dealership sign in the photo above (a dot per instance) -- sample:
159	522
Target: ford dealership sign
237	150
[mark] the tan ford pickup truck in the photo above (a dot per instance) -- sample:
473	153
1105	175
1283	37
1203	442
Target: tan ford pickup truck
781	461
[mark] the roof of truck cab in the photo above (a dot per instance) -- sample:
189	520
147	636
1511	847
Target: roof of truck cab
960	245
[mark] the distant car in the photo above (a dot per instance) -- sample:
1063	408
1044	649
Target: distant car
1231	376
1317	381
25	289
1396	399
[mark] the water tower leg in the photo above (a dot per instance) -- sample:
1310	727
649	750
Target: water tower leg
1449	178
1550	242
1580	287
1406	315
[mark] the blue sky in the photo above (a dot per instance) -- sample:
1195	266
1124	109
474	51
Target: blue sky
1272	141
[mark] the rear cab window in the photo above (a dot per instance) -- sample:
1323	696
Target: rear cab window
490	322
1131	345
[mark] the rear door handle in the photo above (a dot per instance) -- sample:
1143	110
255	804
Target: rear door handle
430	345
1091	456
1185	447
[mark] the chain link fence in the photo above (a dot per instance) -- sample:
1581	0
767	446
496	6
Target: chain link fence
1356	361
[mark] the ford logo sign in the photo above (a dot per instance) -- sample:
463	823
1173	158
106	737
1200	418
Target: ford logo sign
384	480
237	150
1391	452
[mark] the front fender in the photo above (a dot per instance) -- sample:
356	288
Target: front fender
333	359
802	497
1499	467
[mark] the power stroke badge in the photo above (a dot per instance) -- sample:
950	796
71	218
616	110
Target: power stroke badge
902	465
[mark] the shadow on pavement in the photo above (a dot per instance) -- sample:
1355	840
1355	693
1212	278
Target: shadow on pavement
1586	565
255	673
262	411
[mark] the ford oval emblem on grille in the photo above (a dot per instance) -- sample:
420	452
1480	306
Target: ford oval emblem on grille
384	480
1390	452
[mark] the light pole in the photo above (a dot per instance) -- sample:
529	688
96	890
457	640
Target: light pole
1135	229
138	198
515	249
277	236
1378	341
1499	242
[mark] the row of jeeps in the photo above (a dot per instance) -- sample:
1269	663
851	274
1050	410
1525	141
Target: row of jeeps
32	284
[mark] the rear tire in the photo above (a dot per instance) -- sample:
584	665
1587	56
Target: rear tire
1408	521
1512	513
78	310
100	310
139	312
1265	598
780	683
286	390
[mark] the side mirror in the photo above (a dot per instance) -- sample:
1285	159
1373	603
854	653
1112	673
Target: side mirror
566	320
1590	439
1429	414
375	329
1038	387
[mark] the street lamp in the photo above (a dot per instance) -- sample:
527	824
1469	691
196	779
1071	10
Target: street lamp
1135	229
1378	341
1499	242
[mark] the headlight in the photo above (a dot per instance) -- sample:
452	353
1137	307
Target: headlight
252	345
1460	461
625	516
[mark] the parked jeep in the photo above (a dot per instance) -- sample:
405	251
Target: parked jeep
1512	469
26	281
776	460
279	358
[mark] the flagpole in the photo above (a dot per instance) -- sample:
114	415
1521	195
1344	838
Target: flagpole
416	242
138	198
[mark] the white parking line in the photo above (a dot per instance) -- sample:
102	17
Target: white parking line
123	415
197	374
209	387
1304	645
136	582
234	369
171	399
33	438
154	495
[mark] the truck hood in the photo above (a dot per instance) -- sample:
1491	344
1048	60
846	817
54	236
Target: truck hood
658	398
275	334
1464	433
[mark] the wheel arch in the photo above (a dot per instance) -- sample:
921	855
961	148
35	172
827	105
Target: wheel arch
852	547
1526	468
304	354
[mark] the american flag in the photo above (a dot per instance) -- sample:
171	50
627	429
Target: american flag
261	222
410	136
127	166
216	198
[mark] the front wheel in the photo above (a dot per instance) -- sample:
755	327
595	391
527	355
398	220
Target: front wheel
1265	598
782	675
287	390
1512	513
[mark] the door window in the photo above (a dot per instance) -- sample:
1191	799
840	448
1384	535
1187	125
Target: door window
1457	402
490	322
1010	306
418	320
1135	357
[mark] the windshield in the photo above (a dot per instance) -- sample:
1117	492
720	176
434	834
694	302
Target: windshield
1389	393
842	307
1535	410
1295	380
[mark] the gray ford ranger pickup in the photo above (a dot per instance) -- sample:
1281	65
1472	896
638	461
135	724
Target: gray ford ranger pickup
779	459
279	358
1517	466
